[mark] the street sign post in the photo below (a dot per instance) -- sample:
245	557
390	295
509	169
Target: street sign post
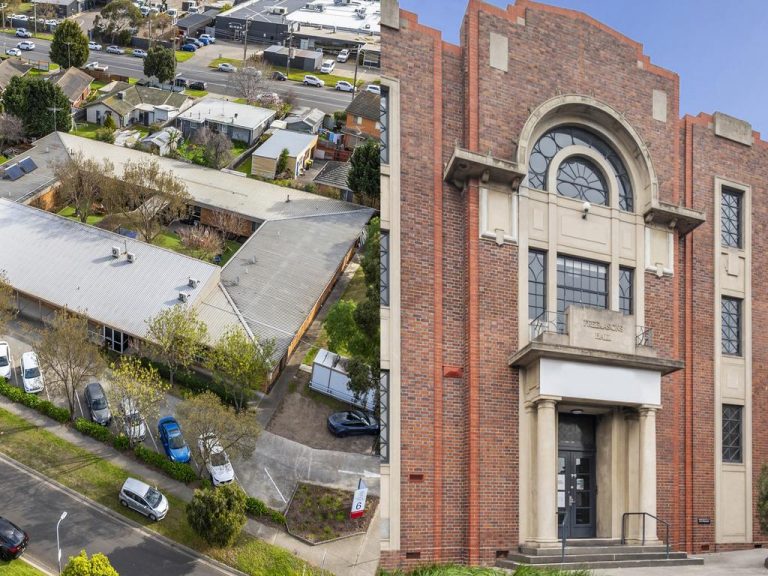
358	502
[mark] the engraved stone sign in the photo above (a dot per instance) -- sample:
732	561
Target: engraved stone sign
599	329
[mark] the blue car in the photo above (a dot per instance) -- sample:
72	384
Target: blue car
173	442
188	48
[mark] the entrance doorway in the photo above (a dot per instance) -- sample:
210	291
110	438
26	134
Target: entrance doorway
576	486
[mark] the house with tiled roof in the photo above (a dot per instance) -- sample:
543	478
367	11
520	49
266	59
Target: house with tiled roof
332	179
9	69
132	104
76	85
362	119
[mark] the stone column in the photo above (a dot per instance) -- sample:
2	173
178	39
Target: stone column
546	472
648	469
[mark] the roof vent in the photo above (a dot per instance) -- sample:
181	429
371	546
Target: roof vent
184	296
115	251
193	282
131	257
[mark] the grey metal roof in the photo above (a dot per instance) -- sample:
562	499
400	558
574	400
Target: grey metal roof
280	273
295	142
227	112
70	265
197	20
218	312
46	152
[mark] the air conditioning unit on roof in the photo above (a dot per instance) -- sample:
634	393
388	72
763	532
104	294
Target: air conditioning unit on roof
184	296
131	256
116	251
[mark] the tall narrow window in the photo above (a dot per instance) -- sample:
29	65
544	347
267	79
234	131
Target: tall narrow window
730	218
732	433
626	288
580	282
537	284
731	325
384	124
384	416
384	262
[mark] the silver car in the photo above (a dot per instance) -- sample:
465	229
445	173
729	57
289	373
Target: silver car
141	497
98	407
133	421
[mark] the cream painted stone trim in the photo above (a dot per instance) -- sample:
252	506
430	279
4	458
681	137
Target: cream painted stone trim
546	471
650	266
391	327
733	475
498	234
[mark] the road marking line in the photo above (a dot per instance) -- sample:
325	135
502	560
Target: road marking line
275	485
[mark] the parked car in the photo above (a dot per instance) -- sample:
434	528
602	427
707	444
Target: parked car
198	85
139	53
173	442
172	12
134	426
141	497
96	401
195	41
23	33
279	76
115	50
225	67
12	52
31	376
352	423
51	22
144	10
13	540
343	55
216	460
328	66
96	66
26	45
188	48
375	88
5	360
344	86
179	81
211	39
94	46
310	80
19	17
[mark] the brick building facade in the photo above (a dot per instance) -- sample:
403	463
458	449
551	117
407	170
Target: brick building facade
568	269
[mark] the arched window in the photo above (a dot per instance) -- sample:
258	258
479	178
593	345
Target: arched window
578	177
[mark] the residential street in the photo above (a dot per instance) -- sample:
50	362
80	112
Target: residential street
196	68
36	506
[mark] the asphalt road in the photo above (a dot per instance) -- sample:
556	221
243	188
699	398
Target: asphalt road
196	68
36	505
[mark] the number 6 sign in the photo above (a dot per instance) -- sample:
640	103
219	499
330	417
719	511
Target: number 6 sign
358	502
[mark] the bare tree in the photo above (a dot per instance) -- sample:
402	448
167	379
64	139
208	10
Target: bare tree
69	359
82	182
204	239
11	129
7	301
250	81
228	223
151	196
217	148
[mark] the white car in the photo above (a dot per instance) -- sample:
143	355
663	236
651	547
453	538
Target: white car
133	423
139	53
115	50
19	17
310	80
328	66
23	33
144	10
5	360
12	52
51	22
375	88
344	86
343	55
96	66
216	460
31	376
26	45
94	46
226	67
211	39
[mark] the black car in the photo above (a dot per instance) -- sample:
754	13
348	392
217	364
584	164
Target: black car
198	85
279	76
352	423
13	540
182	82
98	407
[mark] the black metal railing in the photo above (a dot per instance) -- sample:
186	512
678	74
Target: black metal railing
644	336
564	527
643	514
556	322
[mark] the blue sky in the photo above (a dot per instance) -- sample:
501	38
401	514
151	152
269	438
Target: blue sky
719	48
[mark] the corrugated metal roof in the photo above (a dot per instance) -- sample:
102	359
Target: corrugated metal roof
46	153
280	273
218	313
70	265
294	142
227	112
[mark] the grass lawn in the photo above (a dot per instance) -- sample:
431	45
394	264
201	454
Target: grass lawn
196	93
329	79
245	166
450	570
97	85
171	241
100	481
69	212
3	159
18	568
182	56
238	147
234	61
86	130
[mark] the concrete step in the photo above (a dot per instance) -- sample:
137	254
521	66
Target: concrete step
643	563
577	550
594	542
621	557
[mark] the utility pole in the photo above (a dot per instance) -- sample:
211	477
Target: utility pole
54	110
35	18
2	9
245	39
288	58
357	59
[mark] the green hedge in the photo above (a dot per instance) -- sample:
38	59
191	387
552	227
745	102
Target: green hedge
101	433
176	470
258	509
33	401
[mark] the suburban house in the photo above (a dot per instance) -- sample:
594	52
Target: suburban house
300	148
332	179
237	121
304	119
362	122
296	246
162	142
9	69
59	8
76	85
132	104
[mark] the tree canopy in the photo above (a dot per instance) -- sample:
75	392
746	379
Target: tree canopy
69	46
218	514
82	182
7	301
96	565
160	63
176	337
363	177
117	17
31	98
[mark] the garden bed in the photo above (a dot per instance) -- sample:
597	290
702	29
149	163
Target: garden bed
319	514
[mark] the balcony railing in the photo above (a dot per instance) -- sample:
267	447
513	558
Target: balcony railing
547	321
644	336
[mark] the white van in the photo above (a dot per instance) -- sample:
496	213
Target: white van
30	373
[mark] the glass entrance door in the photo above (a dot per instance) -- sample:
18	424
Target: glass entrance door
576	493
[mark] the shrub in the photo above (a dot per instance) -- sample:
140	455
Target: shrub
192	381
33	401
218	515
109	122
258	509
52	411
97	431
121	442
104	135
176	470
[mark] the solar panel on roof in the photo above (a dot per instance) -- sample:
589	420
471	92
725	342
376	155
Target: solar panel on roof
13	172
28	165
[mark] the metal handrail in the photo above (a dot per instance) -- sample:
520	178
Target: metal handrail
643	514
548	321
644	336
563	525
